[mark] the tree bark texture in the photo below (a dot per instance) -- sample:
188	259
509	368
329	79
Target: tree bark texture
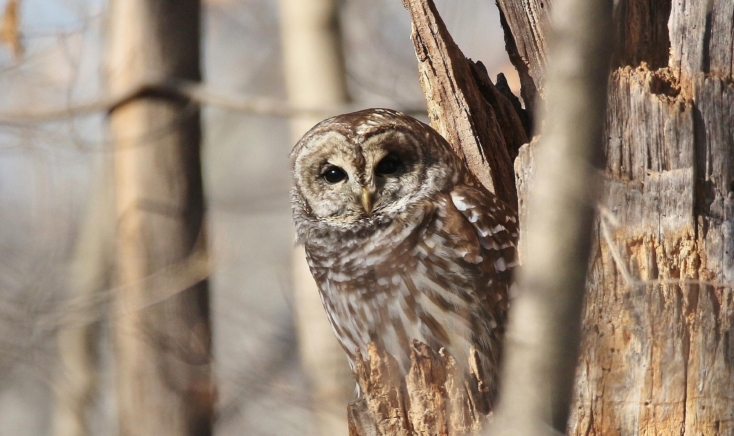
476	118
658	327
527	24
435	398
486	125
163	347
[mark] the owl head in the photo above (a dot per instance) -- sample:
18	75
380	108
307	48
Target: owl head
367	166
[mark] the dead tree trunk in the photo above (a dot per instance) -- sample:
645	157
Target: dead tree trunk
162	344
656	354
478	120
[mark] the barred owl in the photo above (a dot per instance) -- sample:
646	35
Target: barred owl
403	241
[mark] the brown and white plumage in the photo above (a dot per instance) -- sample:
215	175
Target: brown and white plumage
422	252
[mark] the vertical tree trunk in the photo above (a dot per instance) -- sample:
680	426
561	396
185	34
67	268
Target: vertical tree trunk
315	76
162	347
656	356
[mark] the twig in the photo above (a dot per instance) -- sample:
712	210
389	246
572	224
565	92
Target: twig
181	90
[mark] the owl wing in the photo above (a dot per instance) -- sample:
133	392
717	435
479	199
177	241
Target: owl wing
481	235
457	293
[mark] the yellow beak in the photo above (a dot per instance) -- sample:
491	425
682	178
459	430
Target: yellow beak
366	200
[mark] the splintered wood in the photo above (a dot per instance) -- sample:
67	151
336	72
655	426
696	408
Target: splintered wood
527	26
464	106
436	397
657	356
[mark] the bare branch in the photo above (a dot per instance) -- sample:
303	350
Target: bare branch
178	90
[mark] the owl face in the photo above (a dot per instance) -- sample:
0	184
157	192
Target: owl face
345	181
368	164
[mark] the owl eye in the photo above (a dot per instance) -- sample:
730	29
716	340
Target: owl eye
389	165
334	175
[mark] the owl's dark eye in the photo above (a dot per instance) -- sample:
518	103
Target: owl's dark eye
334	175
389	165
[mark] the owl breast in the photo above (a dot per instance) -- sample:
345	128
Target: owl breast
428	274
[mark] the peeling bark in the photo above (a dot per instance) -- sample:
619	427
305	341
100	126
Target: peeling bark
656	356
464	106
436	397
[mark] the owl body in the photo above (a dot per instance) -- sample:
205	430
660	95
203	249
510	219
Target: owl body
411	249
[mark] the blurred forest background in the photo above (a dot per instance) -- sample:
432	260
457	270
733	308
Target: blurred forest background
52	166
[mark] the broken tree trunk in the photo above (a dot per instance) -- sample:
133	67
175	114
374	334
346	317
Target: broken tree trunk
656	355
478	120
435	398
486	126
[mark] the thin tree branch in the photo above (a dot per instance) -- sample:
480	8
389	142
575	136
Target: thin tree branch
178	90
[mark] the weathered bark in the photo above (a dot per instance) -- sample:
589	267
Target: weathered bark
315	77
434	398
464	106
526	26
657	331
163	351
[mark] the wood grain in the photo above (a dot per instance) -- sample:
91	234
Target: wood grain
642	32
436	397
464	106
659	318
527	27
